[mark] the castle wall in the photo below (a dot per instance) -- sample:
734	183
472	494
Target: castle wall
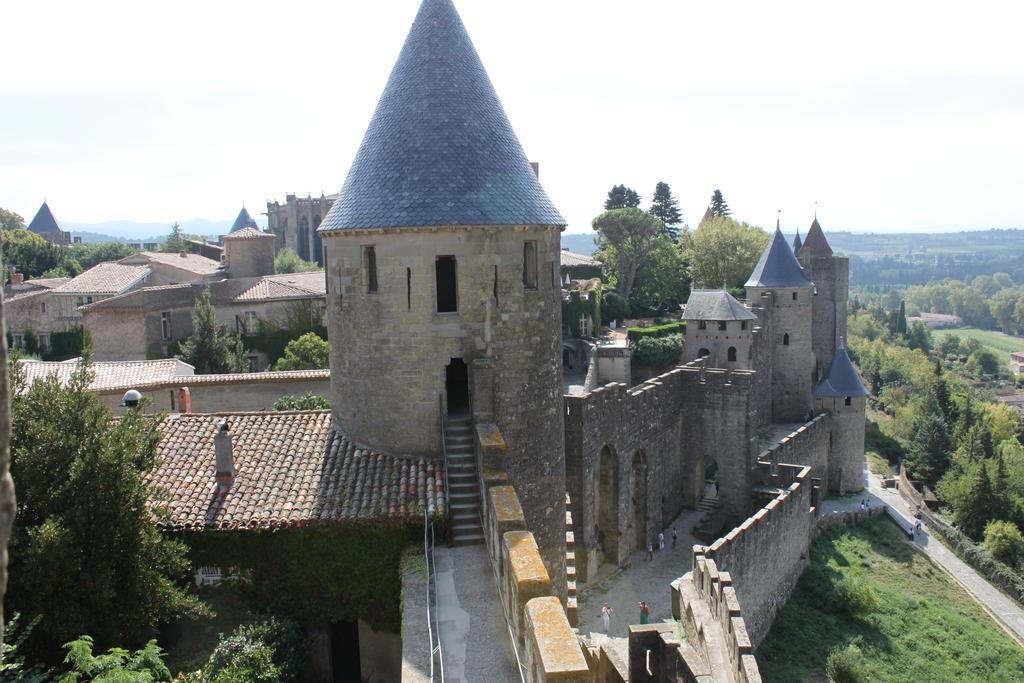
810	445
635	457
831	277
390	350
718	342
788	334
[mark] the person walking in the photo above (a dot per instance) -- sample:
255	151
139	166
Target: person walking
606	617
661	540
650	553
645	612
675	537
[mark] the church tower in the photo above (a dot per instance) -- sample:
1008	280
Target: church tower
842	394
442	263
781	294
831	277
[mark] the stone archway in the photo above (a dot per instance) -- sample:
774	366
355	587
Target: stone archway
639	496
606	505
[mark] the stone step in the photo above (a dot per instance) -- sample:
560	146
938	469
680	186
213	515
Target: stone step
570	557
468	539
571	588
570	572
461	475
572	612
568	518
570	539
456	487
466	517
462	497
462	507
466	528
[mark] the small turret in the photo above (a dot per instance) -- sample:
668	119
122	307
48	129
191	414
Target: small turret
842	394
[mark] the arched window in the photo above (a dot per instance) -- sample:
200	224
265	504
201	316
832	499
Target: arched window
732	354
703	352
303	239
785	339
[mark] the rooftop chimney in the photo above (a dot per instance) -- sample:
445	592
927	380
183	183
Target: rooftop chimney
223	456
184	400
535	165
17	278
131	399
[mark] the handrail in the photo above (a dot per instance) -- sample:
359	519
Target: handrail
444	453
426	560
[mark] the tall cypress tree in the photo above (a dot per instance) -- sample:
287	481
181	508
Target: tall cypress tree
718	206
929	450
622	197
975	509
666	208
901	319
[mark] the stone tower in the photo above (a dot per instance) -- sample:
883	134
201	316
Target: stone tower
781	294
719	328
442	258
842	394
248	252
831	277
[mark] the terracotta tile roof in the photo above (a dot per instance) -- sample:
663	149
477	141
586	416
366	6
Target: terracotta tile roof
30	288
290	286
110	376
249	234
571	258
241	378
291	469
47	282
105	278
193	263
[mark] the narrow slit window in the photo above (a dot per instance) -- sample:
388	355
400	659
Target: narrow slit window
794	296
495	286
702	325
447	284
848	400
732	354
370	262
722	326
408	288
785	339
530	265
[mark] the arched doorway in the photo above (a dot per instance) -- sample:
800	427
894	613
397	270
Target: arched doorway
710	478
606	505
640	499
456	386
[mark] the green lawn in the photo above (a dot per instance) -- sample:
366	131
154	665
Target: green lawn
1001	343
926	629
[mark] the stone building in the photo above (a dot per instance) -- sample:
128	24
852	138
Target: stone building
831	277
295	224
444	258
720	329
30	304
46	226
842	395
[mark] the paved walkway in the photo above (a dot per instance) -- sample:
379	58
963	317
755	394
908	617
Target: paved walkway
623	588
474	635
1006	610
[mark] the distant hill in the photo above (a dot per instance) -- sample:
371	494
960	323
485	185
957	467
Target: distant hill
582	243
134	231
876	245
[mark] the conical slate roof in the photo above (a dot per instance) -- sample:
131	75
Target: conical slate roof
439	149
44	222
243	221
797	243
815	242
842	378
778	266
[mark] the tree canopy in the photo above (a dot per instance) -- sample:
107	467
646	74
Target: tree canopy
10	220
622	197
287	261
666	208
718	205
723	251
30	254
87	555
308	352
633	234
213	347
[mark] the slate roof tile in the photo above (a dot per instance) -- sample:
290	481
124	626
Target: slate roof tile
778	266
244	221
291	469
815	242
43	221
439	149
842	378
715	304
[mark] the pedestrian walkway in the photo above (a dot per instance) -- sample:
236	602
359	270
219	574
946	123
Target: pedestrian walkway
1006	610
624	588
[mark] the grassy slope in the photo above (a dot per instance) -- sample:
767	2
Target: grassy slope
1001	343
927	629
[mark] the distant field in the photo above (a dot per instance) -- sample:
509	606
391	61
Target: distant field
1002	344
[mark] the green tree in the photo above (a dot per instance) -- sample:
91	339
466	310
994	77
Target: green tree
175	241
30	342
901	319
28	253
975	508
287	261
633	234
928	457
213	347
89	556
116	665
88	255
622	197
614	307
919	337
10	220
718	206
723	251
983	362
306	401
950	345
845	665
663	282
666	208
308	352
1005	542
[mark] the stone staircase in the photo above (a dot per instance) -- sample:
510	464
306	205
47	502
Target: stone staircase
704	530
463	483
571	607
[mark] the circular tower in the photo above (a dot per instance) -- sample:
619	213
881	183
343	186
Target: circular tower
442	259
781	291
841	394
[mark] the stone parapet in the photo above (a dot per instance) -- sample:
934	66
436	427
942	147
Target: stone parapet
552	650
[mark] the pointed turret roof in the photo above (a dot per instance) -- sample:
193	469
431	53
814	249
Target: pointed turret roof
815	242
44	222
439	149
778	266
797	243
842	378
243	221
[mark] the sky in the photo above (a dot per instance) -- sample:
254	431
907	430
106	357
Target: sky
891	116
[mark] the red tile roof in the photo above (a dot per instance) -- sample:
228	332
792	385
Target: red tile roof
249	234
115	375
289	286
105	278
291	469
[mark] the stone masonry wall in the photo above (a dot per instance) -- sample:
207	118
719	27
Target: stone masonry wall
809	445
792	365
846	457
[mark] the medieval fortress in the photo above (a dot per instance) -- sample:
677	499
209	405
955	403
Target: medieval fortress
443	297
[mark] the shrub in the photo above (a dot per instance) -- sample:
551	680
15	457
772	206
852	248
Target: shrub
1004	541
283	637
308	352
658	352
856	597
239	659
306	401
143	666
613	307
845	665
637	333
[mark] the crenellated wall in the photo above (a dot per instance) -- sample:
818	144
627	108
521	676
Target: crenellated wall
635	457
809	445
